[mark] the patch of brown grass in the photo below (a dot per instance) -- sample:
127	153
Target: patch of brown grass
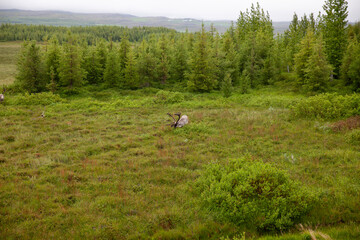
347	124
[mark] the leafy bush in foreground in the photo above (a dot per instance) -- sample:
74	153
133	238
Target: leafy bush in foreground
253	194
328	106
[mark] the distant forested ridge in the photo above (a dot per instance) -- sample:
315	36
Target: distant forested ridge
316	54
68	19
16	32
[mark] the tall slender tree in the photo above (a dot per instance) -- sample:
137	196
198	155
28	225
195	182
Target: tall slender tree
335	31
30	75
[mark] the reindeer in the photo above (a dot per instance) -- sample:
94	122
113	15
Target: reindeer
2	97
182	121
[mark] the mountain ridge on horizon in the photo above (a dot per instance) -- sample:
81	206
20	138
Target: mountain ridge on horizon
68	18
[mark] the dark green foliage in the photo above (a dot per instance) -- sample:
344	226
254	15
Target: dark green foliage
14	32
131	78
312	69
317	70
70	71
226	86
123	55
111	72
93	66
328	106
166	97
201	75
52	62
163	67
179	64
30	76
350	68
253	194
334	31
146	66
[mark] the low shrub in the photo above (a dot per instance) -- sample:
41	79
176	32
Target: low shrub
353	137
253	194
347	124
328	106
44	98
166	97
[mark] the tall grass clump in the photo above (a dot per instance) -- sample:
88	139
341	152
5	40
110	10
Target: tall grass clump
44	98
328	106
254	195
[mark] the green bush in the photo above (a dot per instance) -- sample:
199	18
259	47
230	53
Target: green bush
44	98
253	194
166	97
328	106
353	137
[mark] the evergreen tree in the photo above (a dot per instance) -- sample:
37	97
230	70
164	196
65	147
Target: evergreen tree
131	75
123	55
101	56
230	58
52	62
70	72
179	64
200	76
334	31
112	73
30	76
93	66
226	86
146	65
350	68
302	57
317	70
163	68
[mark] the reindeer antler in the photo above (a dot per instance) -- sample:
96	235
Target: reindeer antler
171	116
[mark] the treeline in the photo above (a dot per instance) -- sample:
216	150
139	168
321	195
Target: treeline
89	34
313	55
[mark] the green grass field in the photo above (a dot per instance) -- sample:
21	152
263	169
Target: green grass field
105	165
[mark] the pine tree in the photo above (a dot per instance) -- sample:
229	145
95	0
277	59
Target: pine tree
302	57
52	62
70	72
123	55
335	31
101	56
179	65
230	58
226	86
350	68
111	72
317	70
93	66
200	76
131	76
146	66
163	68
30	76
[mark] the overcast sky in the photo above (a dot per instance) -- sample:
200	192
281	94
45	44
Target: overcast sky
280	10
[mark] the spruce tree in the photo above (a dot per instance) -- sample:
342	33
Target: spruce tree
146	66
302	57
179	65
101	56
163	68
130	73
123	55
30	75
111	72
200	76
70	72
226	86
93	66
317	70
350	68
335	31
52	62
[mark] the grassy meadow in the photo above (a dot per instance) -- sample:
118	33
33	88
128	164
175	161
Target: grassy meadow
106	165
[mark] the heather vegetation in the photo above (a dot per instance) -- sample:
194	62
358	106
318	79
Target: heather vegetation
271	150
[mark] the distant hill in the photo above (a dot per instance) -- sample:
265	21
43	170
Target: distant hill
62	18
